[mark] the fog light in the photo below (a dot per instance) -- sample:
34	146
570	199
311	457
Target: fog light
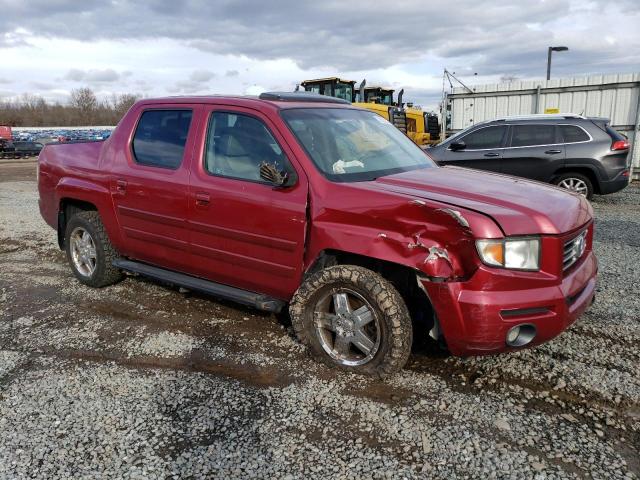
520	335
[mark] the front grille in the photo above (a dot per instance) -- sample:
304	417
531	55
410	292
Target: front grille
573	250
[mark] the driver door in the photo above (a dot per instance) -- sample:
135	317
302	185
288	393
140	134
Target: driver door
243	231
483	149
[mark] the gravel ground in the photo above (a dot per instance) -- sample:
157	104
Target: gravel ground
142	381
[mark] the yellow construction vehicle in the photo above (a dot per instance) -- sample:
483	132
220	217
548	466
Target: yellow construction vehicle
332	87
411	121
376	99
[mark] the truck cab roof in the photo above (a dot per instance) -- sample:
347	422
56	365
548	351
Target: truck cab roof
280	100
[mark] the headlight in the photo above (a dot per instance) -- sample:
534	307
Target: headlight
513	253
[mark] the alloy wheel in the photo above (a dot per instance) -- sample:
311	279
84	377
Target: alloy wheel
575	185
83	252
347	327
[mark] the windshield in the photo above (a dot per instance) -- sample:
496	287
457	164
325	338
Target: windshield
354	145
386	98
344	91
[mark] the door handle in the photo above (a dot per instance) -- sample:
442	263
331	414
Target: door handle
492	154
549	152
202	198
121	186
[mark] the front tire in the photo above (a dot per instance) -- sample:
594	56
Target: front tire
89	250
577	183
351	318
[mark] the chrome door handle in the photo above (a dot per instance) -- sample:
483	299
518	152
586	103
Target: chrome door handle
492	154
549	152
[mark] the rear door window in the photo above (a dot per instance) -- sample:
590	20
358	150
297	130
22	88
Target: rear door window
532	135
573	134
485	138
160	137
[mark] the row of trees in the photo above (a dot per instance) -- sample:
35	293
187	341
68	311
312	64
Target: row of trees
83	109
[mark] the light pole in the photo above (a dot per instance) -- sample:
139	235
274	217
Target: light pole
553	49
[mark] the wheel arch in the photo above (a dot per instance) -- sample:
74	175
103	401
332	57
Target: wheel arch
402	277
67	207
587	171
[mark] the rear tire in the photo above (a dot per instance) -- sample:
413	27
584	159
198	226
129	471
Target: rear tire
89	250
351	318
575	182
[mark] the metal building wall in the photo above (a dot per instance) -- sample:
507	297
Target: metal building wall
615	96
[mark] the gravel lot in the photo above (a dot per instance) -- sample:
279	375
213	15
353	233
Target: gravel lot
141	381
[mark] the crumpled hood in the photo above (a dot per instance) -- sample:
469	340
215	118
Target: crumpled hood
519	206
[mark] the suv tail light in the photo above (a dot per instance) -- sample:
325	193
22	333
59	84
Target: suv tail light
620	145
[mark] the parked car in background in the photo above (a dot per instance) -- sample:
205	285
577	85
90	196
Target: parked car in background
27	149
584	155
18	149
7	150
44	139
306	200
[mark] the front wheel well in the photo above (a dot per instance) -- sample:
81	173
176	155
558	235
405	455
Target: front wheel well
587	172
403	278
68	208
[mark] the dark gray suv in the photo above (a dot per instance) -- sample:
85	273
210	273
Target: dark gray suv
584	155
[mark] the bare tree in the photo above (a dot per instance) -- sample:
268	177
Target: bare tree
123	102
84	109
85	101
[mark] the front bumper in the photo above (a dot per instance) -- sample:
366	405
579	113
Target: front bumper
476	315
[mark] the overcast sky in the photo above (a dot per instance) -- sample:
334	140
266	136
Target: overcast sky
157	48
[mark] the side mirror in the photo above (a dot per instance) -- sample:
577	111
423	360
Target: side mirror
458	145
270	173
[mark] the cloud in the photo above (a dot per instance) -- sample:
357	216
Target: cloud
12	38
201	76
43	86
203	46
255	90
107	75
326	35
187	87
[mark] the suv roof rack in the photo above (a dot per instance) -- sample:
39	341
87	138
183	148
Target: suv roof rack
300	97
542	116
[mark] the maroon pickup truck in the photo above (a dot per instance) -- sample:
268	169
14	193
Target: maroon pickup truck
305	201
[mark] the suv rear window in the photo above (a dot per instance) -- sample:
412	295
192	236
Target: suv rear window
532	135
160	137
573	134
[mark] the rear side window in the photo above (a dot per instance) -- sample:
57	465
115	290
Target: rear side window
489	137
573	134
531	135
160	137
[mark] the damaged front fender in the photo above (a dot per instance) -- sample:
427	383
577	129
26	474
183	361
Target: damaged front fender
426	236
437	266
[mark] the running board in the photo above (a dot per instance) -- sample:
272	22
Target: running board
252	299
